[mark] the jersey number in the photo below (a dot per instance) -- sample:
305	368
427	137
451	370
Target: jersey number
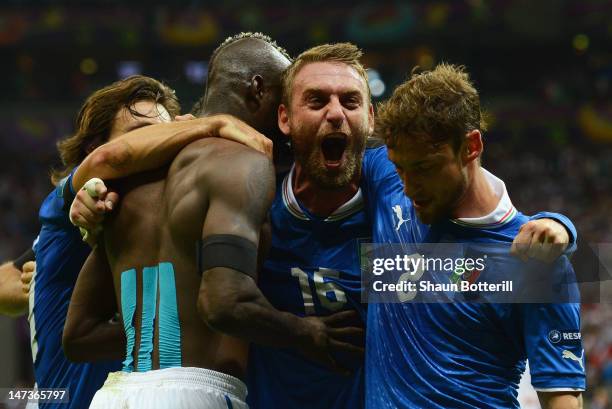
324	289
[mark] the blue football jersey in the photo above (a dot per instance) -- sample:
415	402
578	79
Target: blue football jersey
313	268
60	254
459	355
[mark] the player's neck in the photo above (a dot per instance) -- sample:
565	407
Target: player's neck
479	199
318	200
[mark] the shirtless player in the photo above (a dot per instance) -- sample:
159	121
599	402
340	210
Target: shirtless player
217	191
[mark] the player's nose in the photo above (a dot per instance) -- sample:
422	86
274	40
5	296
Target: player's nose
335	114
411	187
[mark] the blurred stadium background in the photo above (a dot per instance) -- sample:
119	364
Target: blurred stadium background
543	68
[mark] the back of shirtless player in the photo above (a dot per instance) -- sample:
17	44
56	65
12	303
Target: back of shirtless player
212	187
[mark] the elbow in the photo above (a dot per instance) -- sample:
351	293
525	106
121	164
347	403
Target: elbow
71	345
70	348
107	155
110	155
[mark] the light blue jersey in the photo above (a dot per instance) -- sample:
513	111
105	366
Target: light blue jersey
60	254
460	355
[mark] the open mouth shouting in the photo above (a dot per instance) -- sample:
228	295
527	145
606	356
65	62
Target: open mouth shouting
333	148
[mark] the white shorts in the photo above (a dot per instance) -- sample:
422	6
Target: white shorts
177	388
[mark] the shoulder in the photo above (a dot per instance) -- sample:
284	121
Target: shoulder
222	166
214	152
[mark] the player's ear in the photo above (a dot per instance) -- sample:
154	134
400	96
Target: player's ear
256	90
472	146
283	119
371	120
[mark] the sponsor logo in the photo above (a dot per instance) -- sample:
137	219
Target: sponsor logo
556	336
570	355
397	209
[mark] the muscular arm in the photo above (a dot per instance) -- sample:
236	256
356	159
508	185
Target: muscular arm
153	146
560	400
13	300
229	300
89	334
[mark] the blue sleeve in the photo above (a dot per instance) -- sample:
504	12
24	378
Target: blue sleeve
65	189
56	206
566	222
554	347
376	167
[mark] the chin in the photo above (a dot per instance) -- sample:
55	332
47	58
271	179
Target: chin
429	217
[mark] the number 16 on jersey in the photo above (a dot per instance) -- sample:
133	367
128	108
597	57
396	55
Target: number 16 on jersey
329	294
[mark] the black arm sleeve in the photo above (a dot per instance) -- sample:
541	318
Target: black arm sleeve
24	258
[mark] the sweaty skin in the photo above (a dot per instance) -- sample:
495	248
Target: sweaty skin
160	219
213	187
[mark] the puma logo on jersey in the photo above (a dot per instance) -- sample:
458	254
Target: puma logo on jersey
570	355
400	217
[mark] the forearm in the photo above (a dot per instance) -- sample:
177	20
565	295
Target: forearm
143	149
94	341
13	301
245	313
560	400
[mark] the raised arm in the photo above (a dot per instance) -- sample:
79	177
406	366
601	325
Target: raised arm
230	301
153	146
91	333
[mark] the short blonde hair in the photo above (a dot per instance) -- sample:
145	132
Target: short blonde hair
440	106
345	53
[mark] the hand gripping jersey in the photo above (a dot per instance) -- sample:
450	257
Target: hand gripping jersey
60	254
460	355
313	268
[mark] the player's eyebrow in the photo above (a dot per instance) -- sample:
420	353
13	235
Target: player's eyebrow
317	92
420	162
314	92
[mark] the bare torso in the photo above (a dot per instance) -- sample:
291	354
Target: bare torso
160	220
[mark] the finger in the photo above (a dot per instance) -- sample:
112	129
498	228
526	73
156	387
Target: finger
521	243
83	199
269	148
346	347
91	186
353	335
29	267
186	117
346	332
342	318
557	248
87	214
91	218
80	221
547	251
535	249
100	189
112	198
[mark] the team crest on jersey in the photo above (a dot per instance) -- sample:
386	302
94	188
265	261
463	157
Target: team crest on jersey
397	210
